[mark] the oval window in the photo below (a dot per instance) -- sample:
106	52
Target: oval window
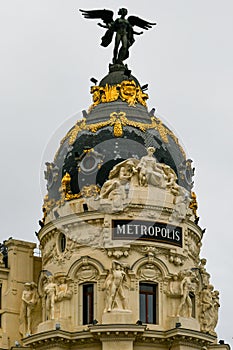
62	242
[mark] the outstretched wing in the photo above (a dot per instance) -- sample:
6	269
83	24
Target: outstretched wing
137	21
105	15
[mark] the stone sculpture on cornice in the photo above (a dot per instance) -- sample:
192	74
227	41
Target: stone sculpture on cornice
209	309
50	293
143	173
187	286
150	171
29	299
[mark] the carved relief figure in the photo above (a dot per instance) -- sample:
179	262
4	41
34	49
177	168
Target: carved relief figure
115	192
64	293
143	173
171	179
125	171
114	286
50	291
29	300
216	306
174	293
63	290
187	286
150	171
115	188
182	201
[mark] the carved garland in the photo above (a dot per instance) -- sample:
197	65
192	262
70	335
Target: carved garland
118	121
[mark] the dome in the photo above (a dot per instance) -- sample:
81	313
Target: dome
116	127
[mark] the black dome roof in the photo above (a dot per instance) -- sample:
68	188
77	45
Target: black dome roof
112	132
117	73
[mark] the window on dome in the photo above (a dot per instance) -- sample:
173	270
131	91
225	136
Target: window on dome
148	300
88	303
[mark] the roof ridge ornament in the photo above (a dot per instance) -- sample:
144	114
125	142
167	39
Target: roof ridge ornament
122	27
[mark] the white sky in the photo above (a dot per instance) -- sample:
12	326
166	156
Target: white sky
49	53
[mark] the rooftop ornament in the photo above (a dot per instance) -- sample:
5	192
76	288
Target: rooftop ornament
122	27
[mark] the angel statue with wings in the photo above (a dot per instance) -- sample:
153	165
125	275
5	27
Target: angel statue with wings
123	27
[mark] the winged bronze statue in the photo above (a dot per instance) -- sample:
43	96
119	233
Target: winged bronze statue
122	27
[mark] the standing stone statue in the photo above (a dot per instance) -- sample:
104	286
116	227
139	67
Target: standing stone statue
205	276
216	306
209	309
114	286
29	300
187	287
122	27
50	291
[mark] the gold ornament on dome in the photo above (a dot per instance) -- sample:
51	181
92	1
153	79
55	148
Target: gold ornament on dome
65	190
127	91
65	183
118	121
193	204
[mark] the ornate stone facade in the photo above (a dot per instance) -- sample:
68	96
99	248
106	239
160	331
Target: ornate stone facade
120	243
136	244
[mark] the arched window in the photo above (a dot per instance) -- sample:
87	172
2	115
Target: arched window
88	303
148	300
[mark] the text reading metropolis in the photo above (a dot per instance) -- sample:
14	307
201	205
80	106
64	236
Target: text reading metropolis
147	230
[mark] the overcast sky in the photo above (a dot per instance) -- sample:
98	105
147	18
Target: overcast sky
49	53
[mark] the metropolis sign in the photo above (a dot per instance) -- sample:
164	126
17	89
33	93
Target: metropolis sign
147	230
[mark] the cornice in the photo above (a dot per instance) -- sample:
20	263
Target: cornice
111	332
